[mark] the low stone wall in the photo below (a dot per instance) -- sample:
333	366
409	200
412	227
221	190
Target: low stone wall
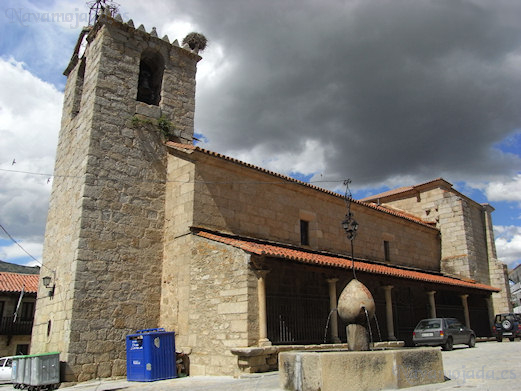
265	359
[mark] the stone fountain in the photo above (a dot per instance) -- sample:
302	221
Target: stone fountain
358	367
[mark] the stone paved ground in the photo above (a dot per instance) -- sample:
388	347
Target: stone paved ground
489	366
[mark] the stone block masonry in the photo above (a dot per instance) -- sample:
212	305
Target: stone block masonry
104	237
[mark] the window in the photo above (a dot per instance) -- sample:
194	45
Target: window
2	303
27	310
151	68
387	256
304	232
22	349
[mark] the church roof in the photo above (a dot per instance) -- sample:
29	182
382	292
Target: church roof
259	247
13	282
189	148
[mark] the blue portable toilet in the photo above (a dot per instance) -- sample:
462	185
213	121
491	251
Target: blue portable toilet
151	355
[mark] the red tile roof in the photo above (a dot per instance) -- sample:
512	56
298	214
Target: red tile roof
190	148
301	255
13	282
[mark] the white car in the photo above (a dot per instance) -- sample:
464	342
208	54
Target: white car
6	364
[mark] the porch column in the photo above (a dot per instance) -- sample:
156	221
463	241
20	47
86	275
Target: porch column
389	312
432	303
261	295
465	309
333	317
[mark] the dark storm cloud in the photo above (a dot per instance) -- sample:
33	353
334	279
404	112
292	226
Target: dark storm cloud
412	88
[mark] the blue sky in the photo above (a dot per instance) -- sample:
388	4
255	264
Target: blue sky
387	93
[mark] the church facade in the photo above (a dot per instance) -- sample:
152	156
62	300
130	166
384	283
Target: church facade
147	230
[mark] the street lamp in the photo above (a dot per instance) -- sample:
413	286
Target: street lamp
350	226
47	283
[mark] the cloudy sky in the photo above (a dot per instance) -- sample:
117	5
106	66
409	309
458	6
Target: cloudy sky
385	92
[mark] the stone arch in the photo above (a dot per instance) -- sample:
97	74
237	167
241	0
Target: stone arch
151	68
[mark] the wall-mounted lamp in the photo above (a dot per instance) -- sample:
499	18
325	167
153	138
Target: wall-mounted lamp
47	283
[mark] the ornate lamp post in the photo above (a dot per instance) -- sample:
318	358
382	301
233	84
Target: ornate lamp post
349	224
355	305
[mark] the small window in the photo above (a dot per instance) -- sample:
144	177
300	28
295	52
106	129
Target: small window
304	232
387	256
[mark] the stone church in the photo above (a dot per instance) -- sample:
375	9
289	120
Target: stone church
147	230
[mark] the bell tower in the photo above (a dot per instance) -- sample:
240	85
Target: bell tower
126	93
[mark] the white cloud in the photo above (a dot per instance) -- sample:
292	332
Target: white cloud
30	112
14	254
509	190
508	244
309	159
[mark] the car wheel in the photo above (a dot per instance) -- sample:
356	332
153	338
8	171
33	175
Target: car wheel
511	339
472	341
448	345
507	325
499	339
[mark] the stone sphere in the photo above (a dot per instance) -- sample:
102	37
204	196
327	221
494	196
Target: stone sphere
352	301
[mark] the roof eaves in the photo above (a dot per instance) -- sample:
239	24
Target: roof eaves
336	260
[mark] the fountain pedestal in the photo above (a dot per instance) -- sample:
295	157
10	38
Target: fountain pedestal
363	370
357	337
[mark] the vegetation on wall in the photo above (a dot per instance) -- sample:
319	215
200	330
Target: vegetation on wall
164	125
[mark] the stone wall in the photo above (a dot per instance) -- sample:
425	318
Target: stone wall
244	201
209	299
460	221
467	237
104	236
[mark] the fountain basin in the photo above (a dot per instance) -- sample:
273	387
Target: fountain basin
359	370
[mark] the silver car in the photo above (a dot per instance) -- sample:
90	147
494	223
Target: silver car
444	332
6	364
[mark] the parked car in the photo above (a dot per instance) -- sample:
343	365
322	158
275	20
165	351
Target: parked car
507	325
444	332
5	369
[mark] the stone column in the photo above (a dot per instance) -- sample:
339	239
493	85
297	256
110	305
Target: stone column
333	317
261	295
465	309
389	312
432	304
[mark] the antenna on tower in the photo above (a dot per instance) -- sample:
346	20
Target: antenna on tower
99	7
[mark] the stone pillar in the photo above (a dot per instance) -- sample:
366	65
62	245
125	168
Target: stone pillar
465	309
261	295
389	312
489	232
333	319
432	304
